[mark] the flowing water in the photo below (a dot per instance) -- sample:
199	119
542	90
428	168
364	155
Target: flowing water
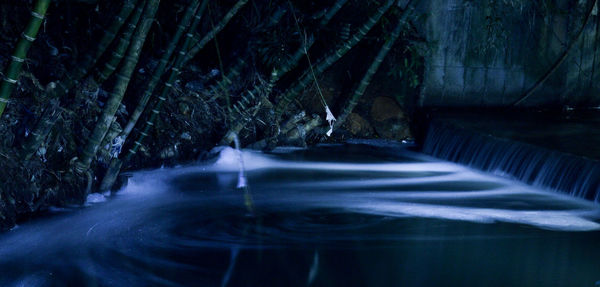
345	215
561	171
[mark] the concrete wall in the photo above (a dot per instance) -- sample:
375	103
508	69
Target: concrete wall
462	69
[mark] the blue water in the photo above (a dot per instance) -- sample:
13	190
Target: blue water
342	215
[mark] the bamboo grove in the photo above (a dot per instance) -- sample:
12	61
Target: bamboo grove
162	82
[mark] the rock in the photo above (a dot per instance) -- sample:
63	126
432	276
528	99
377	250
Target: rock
388	119
385	108
358	126
393	129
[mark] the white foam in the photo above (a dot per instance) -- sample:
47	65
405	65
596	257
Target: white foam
229	160
95	198
552	220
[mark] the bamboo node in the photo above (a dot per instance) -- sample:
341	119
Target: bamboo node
122	77
37	15
28	38
17	59
9	80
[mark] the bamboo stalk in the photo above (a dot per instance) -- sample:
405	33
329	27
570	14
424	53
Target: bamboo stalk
116	96
121	48
224	84
73	77
301	51
42	129
11	76
196	47
162	64
277	74
366	80
116	164
325	63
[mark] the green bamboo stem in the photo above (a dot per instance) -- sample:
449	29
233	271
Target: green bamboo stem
366	80
120	49
196	47
116	164
325	63
113	132
332	11
277	74
162	64
300	52
11	76
224	84
116	96
43	128
245	114
73	77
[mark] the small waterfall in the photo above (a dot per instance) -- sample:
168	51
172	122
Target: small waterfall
577	176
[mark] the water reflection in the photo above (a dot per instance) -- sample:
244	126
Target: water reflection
387	217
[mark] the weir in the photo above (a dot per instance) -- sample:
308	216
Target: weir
533	164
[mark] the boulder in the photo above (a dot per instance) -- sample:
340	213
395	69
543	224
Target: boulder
385	108
388	119
358	126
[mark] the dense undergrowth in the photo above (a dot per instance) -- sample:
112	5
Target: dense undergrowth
179	77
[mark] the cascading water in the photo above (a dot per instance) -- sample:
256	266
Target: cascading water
356	214
575	175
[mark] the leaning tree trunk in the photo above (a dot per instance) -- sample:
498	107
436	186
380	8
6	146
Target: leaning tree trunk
276	74
120	49
116	163
73	77
324	64
13	72
123	77
364	83
196	47
301	52
162	64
